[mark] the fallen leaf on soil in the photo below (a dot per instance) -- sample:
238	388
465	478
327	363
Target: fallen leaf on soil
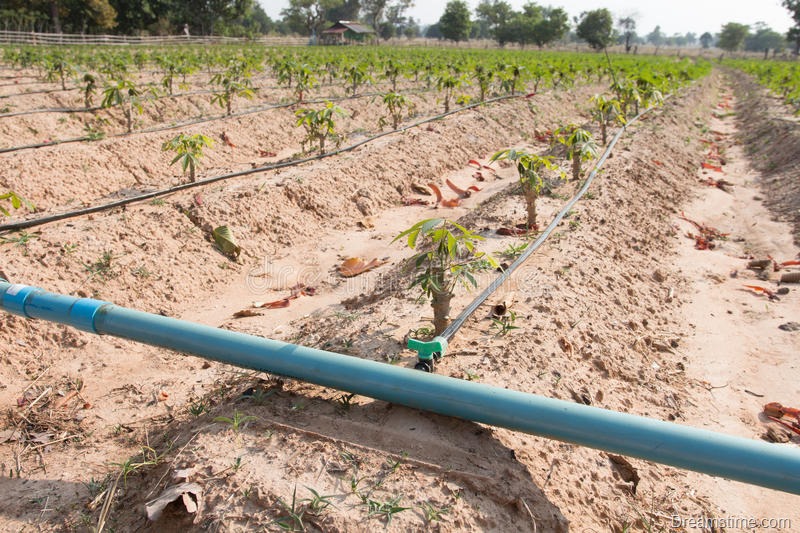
354	266
245	313
763	290
530	95
626	470
721	184
711	167
778	435
565	345
464	193
277	304
223	236
227	140
414	201
515	232
9	435
266	153
61	402
419	189
191	495
450	202
162	396
198	199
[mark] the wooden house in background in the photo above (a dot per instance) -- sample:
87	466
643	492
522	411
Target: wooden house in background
346	32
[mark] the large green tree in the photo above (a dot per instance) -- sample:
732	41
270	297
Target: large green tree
552	24
706	40
628	27
68	16
455	22
732	36
595	27
495	13
764	38
309	16
794	32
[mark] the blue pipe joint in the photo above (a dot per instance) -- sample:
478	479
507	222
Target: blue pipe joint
15	297
33	302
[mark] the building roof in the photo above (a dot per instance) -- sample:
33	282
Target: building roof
344	25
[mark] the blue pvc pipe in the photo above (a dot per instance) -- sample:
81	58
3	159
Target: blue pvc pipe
756	462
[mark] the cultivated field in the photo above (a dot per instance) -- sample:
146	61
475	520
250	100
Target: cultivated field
132	162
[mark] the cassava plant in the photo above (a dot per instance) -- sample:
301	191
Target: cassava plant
320	125
396	104
188	150
580	144
531	169
448	260
16	200
229	88
356	76
606	111
89	88
447	84
126	94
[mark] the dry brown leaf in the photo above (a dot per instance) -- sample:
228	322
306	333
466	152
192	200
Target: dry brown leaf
191	495
245	313
357	265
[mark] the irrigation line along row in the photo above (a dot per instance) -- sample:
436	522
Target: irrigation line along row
16	226
192	122
459	321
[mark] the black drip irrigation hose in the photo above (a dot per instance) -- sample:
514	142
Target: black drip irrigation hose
459	321
191	122
16	226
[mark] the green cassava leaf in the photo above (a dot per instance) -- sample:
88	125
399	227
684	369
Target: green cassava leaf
223	236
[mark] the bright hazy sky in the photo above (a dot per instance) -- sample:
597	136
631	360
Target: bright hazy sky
674	16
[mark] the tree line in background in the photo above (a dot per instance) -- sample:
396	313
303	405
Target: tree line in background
493	19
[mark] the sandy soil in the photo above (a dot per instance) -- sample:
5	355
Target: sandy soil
618	310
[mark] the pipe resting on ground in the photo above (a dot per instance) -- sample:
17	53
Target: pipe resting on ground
751	461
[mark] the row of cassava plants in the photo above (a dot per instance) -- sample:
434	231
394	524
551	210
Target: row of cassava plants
301	69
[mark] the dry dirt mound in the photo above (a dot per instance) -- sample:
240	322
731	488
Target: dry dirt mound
771	136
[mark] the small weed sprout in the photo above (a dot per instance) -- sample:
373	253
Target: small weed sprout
433	513
237	422
188	150
101	268
504	324
531	169
384	510
293	521
320	125
449	261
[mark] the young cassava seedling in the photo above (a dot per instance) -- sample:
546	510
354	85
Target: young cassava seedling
320	125
188	150
531	169
580	144
449	259
606	111
395	104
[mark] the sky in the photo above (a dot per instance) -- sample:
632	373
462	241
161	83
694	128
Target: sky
674	16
